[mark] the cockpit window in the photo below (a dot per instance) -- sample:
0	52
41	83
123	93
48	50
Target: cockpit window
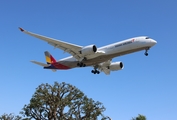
147	38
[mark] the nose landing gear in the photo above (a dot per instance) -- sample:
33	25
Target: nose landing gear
146	52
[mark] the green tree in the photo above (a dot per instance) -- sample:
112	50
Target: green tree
139	117
10	116
62	101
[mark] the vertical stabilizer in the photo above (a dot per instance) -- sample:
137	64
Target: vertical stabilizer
49	58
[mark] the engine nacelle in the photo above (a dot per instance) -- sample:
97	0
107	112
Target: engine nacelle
88	50
116	66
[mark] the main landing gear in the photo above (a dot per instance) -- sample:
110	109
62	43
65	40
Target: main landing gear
146	52
95	71
81	64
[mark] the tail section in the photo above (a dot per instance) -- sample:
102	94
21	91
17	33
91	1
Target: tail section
51	64
43	64
49	58
39	63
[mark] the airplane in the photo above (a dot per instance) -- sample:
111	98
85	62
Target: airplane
99	58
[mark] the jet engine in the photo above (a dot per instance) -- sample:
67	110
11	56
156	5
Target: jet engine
114	66
88	50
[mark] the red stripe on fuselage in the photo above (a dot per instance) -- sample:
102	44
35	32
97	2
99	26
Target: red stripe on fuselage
57	65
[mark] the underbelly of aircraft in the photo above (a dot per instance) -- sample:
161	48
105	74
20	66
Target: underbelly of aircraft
100	59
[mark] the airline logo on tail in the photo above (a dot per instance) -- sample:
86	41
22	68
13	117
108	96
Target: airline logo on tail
53	63
49	58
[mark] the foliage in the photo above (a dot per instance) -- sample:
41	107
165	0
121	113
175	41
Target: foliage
139	117
10	116
62	102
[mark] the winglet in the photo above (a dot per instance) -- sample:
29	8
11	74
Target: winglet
21	29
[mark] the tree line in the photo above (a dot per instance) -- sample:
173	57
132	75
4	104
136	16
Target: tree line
61	101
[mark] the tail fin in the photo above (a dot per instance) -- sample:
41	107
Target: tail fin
49	58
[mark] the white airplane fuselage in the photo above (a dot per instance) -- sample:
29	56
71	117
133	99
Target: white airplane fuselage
99	58
113	50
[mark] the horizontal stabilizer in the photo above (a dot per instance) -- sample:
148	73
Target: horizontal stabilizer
41	64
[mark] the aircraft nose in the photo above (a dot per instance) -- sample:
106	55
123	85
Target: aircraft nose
153	42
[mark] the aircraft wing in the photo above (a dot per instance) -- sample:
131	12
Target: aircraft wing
67	47
106	70
104	67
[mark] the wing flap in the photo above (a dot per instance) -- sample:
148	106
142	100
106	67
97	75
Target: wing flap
106	71
104	67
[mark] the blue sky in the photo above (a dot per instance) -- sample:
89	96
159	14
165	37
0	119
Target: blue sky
146	85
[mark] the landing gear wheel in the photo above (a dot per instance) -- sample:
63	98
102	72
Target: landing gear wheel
95	72
81	64
146	54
